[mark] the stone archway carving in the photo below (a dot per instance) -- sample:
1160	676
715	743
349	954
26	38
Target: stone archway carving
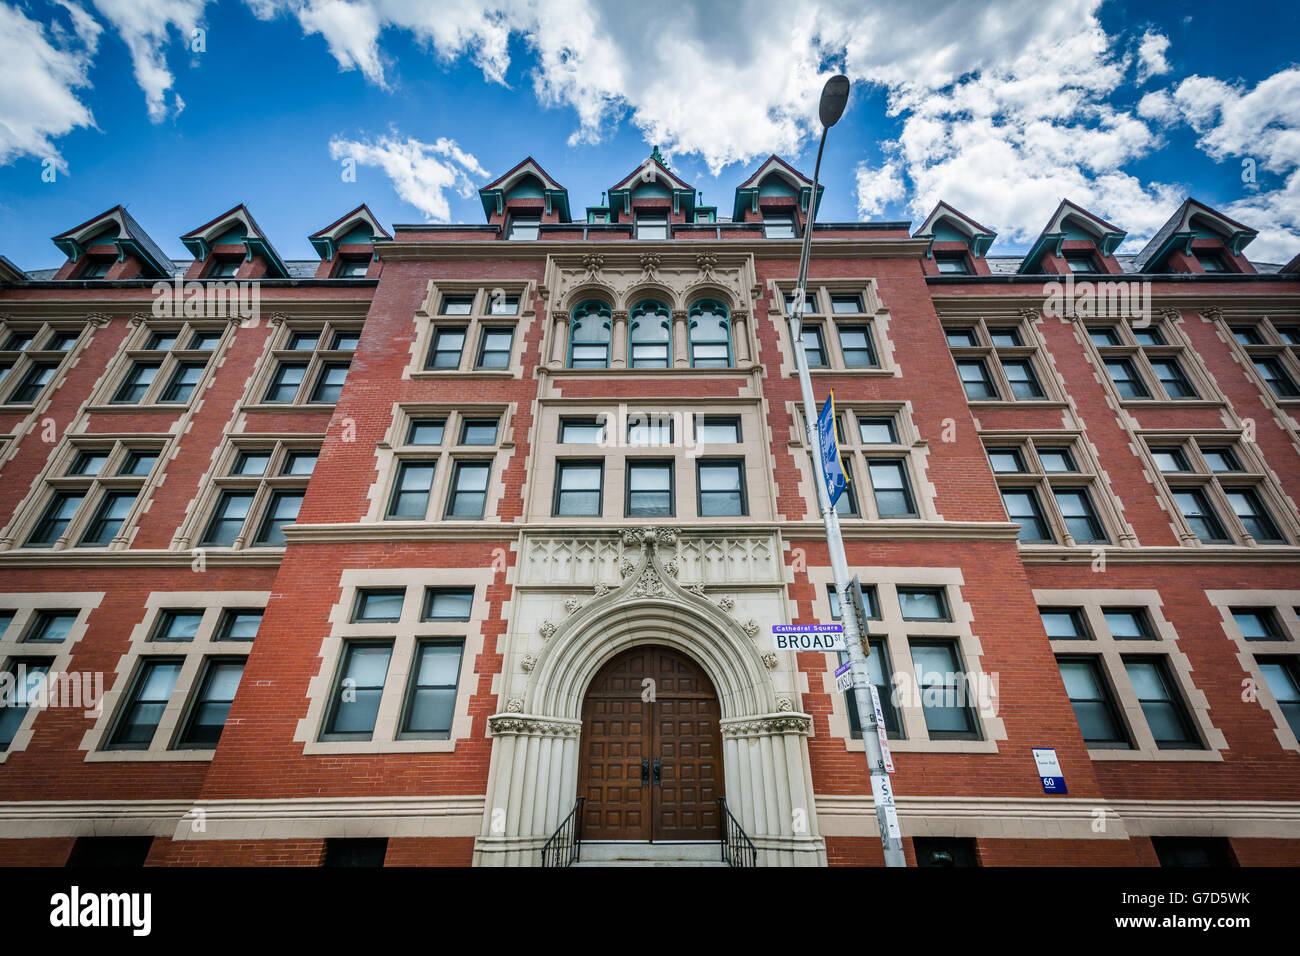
534	774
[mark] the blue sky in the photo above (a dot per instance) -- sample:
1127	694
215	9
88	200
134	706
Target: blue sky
1001	108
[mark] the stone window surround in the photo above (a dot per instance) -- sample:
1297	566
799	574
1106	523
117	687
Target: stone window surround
277	351
24	607
428	316
30	510
1106	506
133	349
218	479
1284	605
1032	349
23	360
897	634
195	654
393	449
404	634
817	312
1256	473
1176	346
1109	650
753	449
1273	345
911	447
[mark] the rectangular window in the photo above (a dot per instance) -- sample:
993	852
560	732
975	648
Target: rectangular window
1104	336
182	383
503	305
448	604
1283	681
1175	383
1257	624
457	305
1079	515
286	382
177	625
411	490
299	463
1022	507
352	267
1220	459
1057	460
524	227
578	488
1080	262
721	488
283	510
892	491
137	382
1161	705
329	383
468	495
228	518
252	463
857	346
813	347
582	431
239	625
138	463
212	705
877	431
1128	624
649	430
1006	461
50	627
1273	373
651	227
943	688
963	337
494	349
354	705
448	343
1024	383
1008	337
1094	707
846	304
426	431
1170	459
975	379
302	341
1064	624
145	704
952	263
717	430
1211	262
778	225
923	604
88	463
381	605
1125	376
54	522
869	598
650	489
878	672
224	267
1252	514
478	431
1200	515
431	696
27	675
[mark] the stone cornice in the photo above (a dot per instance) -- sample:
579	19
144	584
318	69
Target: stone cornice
140	558
81	308
688	249
530	725
765	725
1163	555
1276	302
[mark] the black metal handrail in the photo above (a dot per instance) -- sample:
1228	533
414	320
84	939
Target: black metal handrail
737	848
564	847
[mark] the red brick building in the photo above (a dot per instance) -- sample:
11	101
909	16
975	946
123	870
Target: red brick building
396	554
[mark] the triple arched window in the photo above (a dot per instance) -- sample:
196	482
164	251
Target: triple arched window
650	339
650	335
589	335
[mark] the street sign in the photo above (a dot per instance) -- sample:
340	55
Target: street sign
844	677
829	448
808	637
1049	770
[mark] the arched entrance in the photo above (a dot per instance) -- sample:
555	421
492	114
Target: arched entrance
651	749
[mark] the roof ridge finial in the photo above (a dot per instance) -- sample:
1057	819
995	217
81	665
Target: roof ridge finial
658	157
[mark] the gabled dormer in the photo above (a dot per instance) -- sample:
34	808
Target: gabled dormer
1074	241
347	246
111	246
1292	267
957	243
1197	240
233	246
524	198
777	195
650	197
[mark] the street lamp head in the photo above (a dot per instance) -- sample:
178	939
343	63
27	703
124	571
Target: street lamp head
835	96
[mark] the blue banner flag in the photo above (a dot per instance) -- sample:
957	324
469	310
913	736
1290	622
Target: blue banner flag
829	448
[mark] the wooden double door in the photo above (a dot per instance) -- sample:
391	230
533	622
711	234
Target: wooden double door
651	766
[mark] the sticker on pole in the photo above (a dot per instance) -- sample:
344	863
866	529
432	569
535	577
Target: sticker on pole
829	448
1049	770
808	637
880	730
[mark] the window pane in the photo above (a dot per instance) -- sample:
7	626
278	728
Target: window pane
109	517
1006	460
380	604
877	431
448	604
857	346
649	489
717	431
578	431
51	627
1103	336
1162	709
578	489
144	709
360	686
892	492
469	490
56	518
240	625
446	348
1022	507
1200	516
961	338
943	690
975	380
178	625
1126	380
228	519
426	431
411	490
1257	624
1170	459
1221	459
299	463
478	431
1080	519
1254	517
923	604
721	489
283	510
329	384
1024	383
284	386
1128	624
1065	623
457	304
212	706
1056	460
251	463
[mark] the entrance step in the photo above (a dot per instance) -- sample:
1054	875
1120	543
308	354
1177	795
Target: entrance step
651	854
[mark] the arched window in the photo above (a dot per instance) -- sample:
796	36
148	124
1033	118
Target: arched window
650	341
710	325
589	333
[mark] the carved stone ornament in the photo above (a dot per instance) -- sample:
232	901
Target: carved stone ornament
649	584
784	704
1213	313
766	726
670	567
528	662
727	603
515	705
602	589
706	262
547	630
770	661
752	629
650	264
627	567
572	604
697	588
593	263
503	724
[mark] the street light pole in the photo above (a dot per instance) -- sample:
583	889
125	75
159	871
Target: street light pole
833	100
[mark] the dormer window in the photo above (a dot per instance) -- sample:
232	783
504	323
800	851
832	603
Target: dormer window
1081	263
1212	262
952	263
224	267
96	267
524	227
352	267
652	226
778	225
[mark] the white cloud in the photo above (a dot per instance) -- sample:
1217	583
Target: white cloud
43	70
145	26
1151	56
418	174
877	187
